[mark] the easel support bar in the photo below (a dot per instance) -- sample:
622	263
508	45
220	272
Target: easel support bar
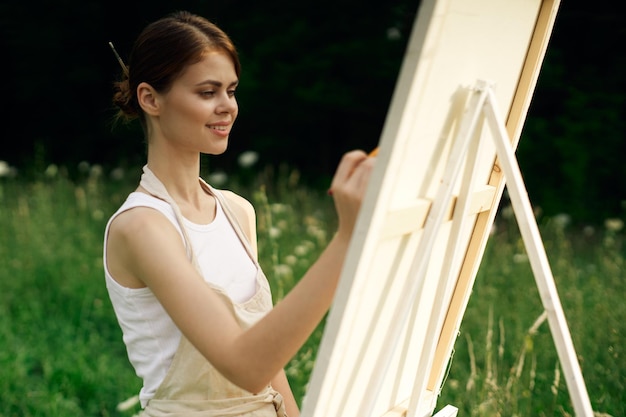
418	268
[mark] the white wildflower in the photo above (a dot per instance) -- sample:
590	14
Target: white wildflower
95	171
278	208
304	248
453	384
589	231
562	220
393	34
117	174
519	258
274	232
317	232
614	225
51	171
291	260
301	250
5	169
282	224
247	159
282	270
128	404
218	178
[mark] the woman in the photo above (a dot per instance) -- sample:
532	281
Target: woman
180	257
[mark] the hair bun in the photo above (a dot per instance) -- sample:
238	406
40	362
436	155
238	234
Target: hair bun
122	99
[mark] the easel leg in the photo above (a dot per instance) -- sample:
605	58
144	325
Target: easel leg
538	260
447	411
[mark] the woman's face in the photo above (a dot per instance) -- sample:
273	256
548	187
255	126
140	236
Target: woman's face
198	112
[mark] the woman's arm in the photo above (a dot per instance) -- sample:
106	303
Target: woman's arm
281	384
149	248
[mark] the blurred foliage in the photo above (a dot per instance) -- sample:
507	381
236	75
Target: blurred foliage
317	80
574	138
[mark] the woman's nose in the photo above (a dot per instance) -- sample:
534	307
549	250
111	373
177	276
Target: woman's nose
227	104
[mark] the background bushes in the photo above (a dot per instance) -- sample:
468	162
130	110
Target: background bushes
317	80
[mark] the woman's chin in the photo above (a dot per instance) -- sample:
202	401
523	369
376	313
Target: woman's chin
217	150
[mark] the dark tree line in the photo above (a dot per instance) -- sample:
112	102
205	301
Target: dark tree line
317	80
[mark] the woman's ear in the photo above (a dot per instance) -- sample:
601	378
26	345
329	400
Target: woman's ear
147	99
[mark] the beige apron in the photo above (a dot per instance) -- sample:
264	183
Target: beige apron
192	386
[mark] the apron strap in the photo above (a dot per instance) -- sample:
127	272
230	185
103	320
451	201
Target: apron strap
232	217
154	186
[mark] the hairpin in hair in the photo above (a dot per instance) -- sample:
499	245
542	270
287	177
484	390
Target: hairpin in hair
119	59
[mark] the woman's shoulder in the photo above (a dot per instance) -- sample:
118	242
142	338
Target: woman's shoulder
141	210
137	218
238	201
141	201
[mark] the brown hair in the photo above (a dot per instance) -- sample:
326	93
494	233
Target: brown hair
163	50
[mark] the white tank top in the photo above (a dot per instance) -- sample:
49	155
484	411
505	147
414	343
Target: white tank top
150	335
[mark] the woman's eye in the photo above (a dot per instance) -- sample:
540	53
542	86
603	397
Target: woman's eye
231	93
208	93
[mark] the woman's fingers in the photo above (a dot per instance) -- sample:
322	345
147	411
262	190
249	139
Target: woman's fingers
346	167
359	178
349	186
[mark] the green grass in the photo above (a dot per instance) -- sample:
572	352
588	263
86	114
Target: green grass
61	352
505	361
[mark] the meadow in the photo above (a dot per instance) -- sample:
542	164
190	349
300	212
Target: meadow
61	352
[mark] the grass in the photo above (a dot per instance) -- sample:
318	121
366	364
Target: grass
505	361
61	349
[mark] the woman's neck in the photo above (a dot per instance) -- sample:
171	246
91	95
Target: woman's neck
179	175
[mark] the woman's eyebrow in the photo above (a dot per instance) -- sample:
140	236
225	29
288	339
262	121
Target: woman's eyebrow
217	83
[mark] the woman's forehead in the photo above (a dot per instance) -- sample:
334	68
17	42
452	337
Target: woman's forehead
213	65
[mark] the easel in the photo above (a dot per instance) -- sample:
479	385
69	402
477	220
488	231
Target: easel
483	107
430	205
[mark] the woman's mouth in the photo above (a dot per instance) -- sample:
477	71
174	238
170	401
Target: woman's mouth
222	130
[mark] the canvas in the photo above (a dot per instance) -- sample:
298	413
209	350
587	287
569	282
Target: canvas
406	280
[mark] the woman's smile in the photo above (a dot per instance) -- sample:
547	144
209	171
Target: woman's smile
220	129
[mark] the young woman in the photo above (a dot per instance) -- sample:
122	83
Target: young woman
180	256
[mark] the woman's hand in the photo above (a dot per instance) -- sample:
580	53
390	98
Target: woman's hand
348	189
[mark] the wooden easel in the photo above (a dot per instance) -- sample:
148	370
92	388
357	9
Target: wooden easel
483	108
430	204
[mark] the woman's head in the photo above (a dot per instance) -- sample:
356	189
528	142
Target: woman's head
162	52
